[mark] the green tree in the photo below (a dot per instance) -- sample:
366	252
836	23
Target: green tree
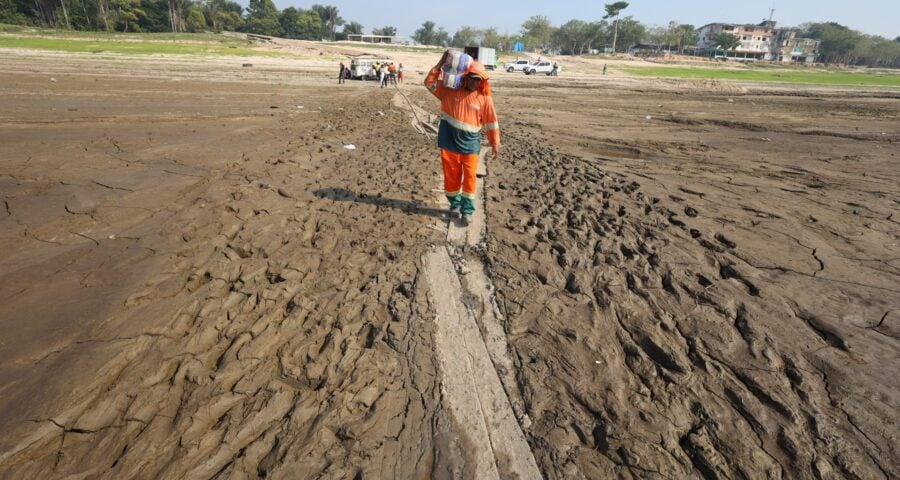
629	31
353	28
387	31
330	16
262	18
128	14
657	35
465	36
490	38
196	21
212	10
229	21
575	37
15	12
725	41
442	38
687	35
310	26
837	41
430	34
612	11
288	19
537	31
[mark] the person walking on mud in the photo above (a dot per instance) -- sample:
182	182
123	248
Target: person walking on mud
465	113
342	74
392	73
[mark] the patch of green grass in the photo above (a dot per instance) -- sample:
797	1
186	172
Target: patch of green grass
7	28
791	75
135	43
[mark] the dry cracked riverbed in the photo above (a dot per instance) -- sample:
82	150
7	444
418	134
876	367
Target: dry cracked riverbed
200	281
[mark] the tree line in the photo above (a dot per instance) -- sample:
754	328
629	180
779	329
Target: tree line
261	17
612	33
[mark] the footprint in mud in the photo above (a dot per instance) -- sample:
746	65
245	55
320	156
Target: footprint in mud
728	271
690	211
710	246
675	221
703	281
725	241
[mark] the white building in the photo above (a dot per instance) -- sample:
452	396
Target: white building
757	41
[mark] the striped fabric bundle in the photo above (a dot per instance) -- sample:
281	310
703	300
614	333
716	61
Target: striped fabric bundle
455	68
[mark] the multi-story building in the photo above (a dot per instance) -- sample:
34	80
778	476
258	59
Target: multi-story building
756	40
789	47
761	42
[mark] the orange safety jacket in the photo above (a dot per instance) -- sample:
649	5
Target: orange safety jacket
465	114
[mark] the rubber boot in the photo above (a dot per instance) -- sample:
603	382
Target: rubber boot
455	205
467	209
467	206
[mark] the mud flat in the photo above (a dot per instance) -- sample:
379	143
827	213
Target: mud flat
200	281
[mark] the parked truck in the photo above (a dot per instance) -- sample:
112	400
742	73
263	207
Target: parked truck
487	56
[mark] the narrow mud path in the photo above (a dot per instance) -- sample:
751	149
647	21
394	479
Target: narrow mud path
469	348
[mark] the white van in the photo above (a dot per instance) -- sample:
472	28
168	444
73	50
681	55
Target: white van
364	68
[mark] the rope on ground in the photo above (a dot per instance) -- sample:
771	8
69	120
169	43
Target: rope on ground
415	114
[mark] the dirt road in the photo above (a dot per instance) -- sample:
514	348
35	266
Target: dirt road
200	281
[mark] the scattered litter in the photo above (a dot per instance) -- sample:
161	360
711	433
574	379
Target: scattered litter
730	100
246	64
649	117
300	107
273	106
597	362
112	237
52	79
284	193
765	139
380	113
350	147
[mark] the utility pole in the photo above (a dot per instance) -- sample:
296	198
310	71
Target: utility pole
771	13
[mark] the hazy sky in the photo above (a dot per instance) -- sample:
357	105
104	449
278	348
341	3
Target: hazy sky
879	17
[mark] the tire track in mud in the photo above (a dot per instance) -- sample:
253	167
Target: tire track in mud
646	347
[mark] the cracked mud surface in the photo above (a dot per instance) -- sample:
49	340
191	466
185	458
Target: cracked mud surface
200	282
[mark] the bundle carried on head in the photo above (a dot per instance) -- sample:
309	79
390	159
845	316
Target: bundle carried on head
455	68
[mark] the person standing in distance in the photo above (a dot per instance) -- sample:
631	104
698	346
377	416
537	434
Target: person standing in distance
465	113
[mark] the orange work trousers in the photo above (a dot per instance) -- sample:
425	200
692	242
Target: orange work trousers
459	173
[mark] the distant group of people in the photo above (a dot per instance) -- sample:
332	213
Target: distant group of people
385	72
388	72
